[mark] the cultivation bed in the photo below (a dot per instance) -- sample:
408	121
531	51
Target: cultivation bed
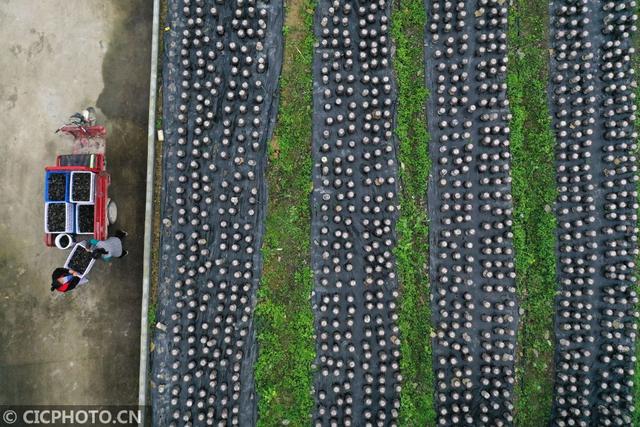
354	211
592	107
475	311
219	107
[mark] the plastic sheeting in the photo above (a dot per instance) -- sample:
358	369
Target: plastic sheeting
221	66
474	305
592	105
354	211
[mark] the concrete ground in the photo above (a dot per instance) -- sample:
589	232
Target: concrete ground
57	57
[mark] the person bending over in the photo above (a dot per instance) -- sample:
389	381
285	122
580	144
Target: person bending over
109	248
65	280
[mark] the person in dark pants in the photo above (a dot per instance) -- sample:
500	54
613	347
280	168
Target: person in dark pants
109	248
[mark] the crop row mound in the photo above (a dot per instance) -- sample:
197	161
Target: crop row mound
475	311
592	101
221	67
354	211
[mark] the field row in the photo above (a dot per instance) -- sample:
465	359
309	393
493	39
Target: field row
221	67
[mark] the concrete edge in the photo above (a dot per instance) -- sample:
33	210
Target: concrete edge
148	217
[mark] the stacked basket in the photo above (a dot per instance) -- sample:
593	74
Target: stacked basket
69	202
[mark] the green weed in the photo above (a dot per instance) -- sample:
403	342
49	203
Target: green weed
284	319
416	398
534	192
151	315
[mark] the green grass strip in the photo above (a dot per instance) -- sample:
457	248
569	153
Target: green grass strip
416	398
534	192
284	319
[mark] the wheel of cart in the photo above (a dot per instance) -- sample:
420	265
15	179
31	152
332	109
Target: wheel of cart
112	211
77	201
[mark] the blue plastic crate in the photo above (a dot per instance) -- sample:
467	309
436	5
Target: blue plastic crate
67	181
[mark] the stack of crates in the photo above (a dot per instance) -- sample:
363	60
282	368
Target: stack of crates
57	201
61	200
83	205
